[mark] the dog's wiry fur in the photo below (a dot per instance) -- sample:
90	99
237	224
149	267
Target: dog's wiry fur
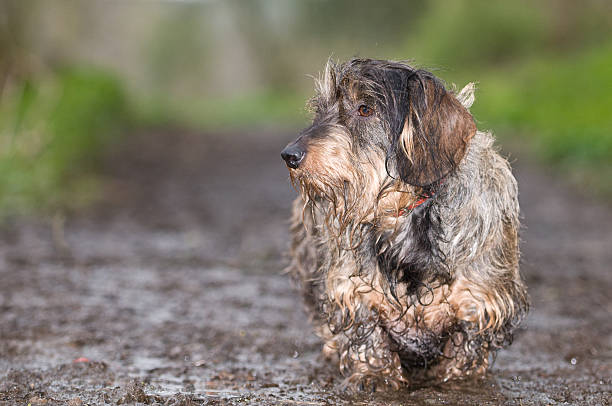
404	296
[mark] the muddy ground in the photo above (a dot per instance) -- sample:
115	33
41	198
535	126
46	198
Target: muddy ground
171	292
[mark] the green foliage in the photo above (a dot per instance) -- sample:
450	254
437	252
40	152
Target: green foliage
52	132
261	109
564	104
468	33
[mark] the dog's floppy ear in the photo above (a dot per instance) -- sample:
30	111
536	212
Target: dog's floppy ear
435	132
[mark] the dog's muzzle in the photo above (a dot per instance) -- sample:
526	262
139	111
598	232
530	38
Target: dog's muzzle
293	154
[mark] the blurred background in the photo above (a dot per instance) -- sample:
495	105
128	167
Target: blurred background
144	203
79	76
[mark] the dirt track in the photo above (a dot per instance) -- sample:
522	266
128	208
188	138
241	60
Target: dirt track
172	289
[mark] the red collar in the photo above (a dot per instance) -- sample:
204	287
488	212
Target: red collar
404	211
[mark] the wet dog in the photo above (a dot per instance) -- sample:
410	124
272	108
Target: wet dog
405	230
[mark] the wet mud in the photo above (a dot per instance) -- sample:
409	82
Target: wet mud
171	292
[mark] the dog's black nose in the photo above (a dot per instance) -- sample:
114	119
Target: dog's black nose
293	155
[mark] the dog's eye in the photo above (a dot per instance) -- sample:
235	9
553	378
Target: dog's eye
365	111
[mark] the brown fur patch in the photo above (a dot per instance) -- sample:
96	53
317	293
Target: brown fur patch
434	139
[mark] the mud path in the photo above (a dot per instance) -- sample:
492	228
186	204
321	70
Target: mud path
171	292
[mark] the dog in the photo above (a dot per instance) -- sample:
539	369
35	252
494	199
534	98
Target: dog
405	230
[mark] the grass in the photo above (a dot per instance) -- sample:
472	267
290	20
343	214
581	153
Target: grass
52	133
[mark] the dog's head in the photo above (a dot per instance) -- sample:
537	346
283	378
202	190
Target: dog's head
378	123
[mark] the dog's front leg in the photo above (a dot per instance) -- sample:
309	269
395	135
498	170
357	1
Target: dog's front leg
362	349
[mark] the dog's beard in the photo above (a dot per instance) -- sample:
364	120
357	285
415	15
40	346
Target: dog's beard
345	198
340	206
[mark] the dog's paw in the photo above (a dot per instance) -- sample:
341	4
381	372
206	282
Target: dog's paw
359	383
